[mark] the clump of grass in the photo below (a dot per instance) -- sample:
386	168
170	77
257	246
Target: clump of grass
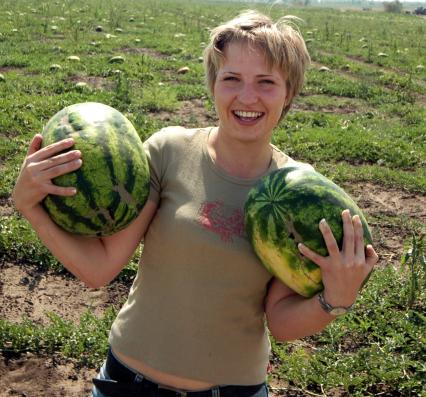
414	260
87	341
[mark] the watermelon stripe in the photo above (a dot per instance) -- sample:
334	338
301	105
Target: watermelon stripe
127	155
125	210
74	218
108	158
129	183
86	188
76	122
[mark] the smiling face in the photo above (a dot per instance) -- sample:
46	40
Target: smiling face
249	96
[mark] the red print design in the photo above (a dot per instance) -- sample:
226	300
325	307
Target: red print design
218	218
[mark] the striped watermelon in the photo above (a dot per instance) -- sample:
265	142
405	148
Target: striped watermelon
284	209
113	182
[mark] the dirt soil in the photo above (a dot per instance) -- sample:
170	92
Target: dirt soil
30	292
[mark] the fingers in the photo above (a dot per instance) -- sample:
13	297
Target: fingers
52	149
41	172
359	258
61	169
348	235
331	244
330	241
313	256
60	159
35	144
353	251
60	190
371	256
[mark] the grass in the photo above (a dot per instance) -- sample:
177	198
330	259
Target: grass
86	341
362	121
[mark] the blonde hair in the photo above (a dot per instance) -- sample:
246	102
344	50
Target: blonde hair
281	41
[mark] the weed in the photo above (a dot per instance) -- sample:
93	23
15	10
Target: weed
414	259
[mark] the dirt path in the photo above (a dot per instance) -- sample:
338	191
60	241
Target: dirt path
26	291
43	376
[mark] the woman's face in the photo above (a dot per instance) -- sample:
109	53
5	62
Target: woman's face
249	96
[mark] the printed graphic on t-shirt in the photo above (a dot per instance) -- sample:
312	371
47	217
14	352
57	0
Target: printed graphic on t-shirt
226	221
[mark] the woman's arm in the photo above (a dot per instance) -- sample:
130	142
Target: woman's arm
291	316
96	261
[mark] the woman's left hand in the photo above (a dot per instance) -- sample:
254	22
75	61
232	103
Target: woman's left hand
343	272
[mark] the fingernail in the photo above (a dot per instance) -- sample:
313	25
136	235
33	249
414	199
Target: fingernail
300	245
323	222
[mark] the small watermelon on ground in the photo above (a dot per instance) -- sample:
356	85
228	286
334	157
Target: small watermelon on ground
285	209
113	181
116	59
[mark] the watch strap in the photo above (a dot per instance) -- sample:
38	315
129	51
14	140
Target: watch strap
334	310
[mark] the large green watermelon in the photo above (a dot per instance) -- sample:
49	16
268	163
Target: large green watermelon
284	209
113	182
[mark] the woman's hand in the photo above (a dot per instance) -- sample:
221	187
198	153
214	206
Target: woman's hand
40	166
343	272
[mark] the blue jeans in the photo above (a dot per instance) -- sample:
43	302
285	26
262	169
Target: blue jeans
103	375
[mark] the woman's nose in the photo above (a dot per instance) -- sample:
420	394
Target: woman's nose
247	95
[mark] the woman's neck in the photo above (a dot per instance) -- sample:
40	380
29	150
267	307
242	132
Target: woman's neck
239	159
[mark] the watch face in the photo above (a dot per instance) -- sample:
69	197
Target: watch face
338	311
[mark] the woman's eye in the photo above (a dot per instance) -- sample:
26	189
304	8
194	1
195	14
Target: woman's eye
266	82
230	78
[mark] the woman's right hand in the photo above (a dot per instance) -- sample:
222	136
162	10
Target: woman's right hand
40	166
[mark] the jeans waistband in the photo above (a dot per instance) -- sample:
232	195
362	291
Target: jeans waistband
126	382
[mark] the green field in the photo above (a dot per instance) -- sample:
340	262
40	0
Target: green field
360	120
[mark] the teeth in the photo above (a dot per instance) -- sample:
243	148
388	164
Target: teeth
240	113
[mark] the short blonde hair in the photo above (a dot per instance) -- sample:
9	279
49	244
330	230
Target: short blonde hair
281	41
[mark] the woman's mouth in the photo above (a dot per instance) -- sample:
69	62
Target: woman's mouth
247	117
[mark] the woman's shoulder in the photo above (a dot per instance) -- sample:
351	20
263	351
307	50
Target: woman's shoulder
177	135
283	160
176	141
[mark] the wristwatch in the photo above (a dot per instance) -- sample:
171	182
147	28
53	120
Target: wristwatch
333	310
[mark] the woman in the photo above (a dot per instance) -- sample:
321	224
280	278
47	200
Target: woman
194	320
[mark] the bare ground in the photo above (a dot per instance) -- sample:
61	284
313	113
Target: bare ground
194	112
33	376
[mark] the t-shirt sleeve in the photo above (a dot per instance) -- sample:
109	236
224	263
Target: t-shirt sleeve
160	149
153	149
282	160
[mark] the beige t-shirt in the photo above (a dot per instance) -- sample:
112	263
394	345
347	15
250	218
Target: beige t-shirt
196	306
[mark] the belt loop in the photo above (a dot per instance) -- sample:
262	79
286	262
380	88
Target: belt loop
216	392
138	378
